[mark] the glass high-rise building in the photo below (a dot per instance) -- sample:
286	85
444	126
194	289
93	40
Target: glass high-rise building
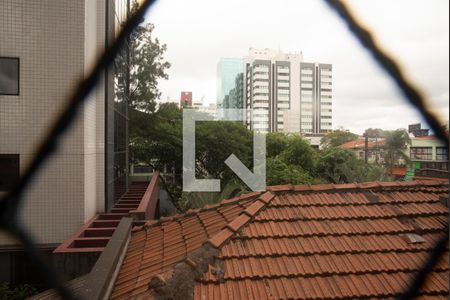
229	83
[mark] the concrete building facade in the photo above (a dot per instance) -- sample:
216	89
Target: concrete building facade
286	93
186	99
55	44
428	152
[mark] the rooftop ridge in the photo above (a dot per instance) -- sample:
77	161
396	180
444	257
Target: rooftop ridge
297	188
240	221
274	235
190	270
193	212
355	186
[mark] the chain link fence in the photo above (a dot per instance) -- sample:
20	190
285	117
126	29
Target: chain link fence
10	203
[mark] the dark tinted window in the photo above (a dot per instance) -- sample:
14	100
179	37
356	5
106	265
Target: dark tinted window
9	76
9	171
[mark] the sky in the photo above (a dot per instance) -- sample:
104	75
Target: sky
416	32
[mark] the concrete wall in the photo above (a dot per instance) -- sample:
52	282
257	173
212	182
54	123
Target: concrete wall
56	42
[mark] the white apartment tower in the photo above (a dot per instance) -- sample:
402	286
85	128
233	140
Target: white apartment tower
287	94
315	98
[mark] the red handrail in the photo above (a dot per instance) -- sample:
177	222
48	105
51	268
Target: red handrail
149	203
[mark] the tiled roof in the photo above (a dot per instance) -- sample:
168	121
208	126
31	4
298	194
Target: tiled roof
298	242
360	144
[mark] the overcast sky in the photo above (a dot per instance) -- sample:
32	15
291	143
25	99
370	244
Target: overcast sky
199	32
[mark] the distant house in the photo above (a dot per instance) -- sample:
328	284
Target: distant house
375	148
429	157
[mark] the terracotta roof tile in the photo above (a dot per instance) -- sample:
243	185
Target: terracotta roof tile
219	238
368	185
301	242
253	209
303	187
280	188
266	197
322	187
239	222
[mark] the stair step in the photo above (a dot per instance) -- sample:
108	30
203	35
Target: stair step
98	232
112	216
105	224
121	210
90	242
125	205
128	202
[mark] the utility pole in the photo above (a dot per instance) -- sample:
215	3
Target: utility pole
366	146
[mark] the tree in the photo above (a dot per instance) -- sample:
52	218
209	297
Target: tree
374	132
337	138
16	292
278	172
276	142
141	64
157	140
299	152
339	165
216	141
396	142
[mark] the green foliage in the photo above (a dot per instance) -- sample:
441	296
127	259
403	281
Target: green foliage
278	172
216	141
156	139
337	138
374	132
142	66
396	142
275	143
339	165
299	153
19	292
290	160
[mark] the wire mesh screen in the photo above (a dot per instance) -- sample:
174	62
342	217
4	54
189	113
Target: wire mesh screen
10	204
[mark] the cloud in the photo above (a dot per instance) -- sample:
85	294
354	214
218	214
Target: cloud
199	32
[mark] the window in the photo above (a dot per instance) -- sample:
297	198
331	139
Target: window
421	153
9	171
435	165
9	76
441	153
